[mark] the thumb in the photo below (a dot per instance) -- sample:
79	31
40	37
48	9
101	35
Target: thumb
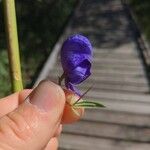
35	121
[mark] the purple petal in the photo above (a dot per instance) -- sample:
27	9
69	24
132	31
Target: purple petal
73	61
74	50
78	43
80	73
72	87
76	57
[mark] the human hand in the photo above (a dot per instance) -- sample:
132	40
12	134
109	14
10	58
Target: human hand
34	121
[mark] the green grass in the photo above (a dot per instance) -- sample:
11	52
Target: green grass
39	26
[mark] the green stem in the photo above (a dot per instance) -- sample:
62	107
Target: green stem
61	79
12	42
82	95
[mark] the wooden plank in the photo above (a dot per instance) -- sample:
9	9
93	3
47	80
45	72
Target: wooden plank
104	86
113	55
132	119
122	105
124	49
115	61
79	142
109	71
109	78
116	88
95	6
111	65
109	130
134	80
110	87
119	67
93	81
130	97
111	60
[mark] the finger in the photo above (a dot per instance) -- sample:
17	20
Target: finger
58	131
70	113
23	94
52	144
18	96
11	102
35	121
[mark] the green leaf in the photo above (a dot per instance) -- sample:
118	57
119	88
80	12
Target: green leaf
88	104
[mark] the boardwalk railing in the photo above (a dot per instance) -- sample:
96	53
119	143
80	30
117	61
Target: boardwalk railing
142	42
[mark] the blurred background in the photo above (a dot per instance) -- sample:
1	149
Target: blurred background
40	23
119	31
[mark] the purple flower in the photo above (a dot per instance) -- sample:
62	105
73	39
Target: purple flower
76	56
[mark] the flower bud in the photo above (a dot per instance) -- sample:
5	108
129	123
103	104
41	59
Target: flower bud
76	57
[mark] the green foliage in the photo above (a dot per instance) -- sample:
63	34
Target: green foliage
40	23
5	84
141	9
88	104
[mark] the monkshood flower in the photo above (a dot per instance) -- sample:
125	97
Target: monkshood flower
76	59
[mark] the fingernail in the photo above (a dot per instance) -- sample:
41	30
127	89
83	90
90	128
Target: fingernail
45	95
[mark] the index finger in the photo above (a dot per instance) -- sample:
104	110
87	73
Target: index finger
11	102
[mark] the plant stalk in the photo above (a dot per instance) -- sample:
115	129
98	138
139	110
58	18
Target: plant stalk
13	46
61	78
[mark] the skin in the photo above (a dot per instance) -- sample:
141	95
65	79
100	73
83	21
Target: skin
71	114
12	103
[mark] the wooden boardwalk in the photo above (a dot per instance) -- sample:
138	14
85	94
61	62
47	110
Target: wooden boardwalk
118	78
